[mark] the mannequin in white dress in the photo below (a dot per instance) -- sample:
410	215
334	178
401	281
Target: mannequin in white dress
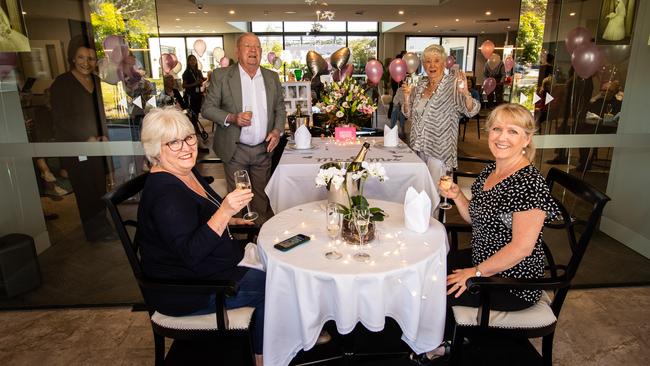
11	40
615	30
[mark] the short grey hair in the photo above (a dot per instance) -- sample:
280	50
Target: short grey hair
241	36
160	126
435	49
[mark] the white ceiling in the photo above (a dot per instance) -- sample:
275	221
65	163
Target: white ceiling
419	15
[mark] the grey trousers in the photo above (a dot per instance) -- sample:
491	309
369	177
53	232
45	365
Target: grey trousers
257	162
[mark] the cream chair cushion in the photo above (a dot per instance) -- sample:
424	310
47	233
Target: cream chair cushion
536	316
238	318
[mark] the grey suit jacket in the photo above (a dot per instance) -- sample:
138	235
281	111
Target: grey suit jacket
225	96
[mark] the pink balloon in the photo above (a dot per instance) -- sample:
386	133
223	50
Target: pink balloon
578	36
7	63
487	48
271	57
119	54
113	41
488	85
509	63
397	69
199	47
224	62
167	63
451	60
374	71
586	60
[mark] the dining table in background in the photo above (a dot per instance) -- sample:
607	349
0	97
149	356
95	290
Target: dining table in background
404	279
292	182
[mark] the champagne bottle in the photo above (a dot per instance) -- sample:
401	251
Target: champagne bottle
355	165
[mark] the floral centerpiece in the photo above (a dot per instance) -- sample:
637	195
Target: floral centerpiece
346	189
346	102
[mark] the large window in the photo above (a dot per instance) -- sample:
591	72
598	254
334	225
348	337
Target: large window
463	48
203	48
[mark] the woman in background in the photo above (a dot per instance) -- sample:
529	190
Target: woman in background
78	116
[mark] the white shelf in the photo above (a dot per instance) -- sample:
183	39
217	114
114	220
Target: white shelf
297	92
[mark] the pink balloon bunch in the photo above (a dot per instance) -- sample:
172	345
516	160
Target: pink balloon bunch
509	63
397	69
224	62
449	63
374	71
271	57
586	58
199	47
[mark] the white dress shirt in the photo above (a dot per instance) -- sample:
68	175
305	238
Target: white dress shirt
253	95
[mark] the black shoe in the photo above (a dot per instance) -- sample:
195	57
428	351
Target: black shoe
423	360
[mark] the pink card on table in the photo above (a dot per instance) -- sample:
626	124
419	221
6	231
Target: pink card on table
345	133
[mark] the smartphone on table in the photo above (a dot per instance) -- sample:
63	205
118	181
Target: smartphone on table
291	242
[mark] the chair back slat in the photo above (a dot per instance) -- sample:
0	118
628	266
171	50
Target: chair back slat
594	198
112	199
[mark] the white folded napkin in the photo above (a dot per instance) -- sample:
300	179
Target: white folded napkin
417	210
390	136
302	137
251	258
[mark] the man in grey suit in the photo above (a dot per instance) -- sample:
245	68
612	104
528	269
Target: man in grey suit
246	103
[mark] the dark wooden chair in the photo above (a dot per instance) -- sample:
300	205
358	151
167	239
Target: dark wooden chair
463	123
221	323
539	320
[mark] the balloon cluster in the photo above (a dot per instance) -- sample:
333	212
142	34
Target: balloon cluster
274	60
119	64
586	57
492	59
338	65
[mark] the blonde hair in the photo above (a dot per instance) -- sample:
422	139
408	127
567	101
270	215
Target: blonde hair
161	125
435	49
516	115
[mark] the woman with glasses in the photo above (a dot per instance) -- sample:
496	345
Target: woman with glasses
183	225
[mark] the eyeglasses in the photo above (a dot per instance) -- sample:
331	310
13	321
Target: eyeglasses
177	145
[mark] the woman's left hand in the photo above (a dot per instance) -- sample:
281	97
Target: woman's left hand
461	82
458	279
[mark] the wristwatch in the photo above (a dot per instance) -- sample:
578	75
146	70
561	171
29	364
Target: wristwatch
478	272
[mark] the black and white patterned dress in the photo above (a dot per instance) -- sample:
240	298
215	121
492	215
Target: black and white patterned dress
491	213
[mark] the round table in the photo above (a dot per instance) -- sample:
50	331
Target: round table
404	279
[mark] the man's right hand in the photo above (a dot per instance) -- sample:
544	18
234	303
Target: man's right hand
242	119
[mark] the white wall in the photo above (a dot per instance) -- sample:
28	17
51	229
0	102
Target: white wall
627	216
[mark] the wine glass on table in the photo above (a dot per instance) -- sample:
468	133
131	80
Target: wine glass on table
445	183
242	181
361	220
334	222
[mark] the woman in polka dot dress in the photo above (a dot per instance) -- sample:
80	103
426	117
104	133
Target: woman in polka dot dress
509	205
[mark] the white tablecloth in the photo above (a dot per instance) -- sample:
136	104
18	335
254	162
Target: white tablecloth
293	184
404	280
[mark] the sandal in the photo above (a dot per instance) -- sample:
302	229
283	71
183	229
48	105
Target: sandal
423	360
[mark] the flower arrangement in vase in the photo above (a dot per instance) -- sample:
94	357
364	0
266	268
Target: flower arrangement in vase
346	102
345	182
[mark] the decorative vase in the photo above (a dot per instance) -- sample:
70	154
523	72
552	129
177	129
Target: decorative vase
351	236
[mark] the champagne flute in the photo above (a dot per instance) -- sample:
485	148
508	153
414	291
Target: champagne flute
334	221
445	183
242	181
361	220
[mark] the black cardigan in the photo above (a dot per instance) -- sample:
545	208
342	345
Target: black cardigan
177	243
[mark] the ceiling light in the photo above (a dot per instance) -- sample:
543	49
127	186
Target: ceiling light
435	26
488	13
508	27
231	12
482	32
401	12
290	12
205	12
177	19
419	31
458	20
572	14
192	12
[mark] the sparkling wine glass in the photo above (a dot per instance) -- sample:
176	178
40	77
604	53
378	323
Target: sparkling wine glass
334	222
445	183
361	220
242	181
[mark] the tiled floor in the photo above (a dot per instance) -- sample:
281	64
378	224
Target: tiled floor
597	327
